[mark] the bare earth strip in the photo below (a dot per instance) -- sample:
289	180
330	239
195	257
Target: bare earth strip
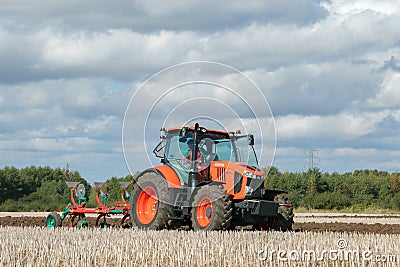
347	218
299	217
378	224
23	214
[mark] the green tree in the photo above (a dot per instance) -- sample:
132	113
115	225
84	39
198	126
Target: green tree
35	188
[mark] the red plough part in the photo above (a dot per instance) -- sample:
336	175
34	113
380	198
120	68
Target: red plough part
76	210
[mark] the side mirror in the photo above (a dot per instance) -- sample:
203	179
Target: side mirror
250	139
159	149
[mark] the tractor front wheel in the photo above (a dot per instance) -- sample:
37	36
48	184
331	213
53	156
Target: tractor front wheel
150	198
211	209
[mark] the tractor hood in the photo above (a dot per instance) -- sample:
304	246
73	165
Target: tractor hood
255	178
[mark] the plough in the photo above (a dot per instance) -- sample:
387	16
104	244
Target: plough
76	210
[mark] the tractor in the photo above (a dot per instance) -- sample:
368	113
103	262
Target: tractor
207	180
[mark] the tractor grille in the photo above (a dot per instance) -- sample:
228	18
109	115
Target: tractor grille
221	175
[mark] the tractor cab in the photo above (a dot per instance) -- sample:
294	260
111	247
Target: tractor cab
176	150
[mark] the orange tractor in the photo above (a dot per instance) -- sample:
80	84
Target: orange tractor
208	180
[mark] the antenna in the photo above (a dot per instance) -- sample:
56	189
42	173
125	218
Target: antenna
312	157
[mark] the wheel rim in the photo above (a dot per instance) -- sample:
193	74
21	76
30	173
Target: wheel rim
51	222
147	205
204	212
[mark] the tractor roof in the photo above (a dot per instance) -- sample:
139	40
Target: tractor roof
192	129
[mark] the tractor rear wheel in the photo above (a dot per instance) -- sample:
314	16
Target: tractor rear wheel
284	219
53	220
150	198
211	209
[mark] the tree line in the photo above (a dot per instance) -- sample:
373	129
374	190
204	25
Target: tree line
355	191
35	188
44	189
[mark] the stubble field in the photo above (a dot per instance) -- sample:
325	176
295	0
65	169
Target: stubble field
317	240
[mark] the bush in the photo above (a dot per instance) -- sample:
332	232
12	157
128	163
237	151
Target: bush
10	205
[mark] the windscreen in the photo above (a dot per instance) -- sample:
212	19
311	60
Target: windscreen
245	152
223	150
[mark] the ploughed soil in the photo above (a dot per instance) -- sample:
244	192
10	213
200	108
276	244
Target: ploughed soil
26	221
376	228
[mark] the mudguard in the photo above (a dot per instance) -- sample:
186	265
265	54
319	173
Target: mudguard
167	173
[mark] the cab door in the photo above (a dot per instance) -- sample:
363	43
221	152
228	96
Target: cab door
174	157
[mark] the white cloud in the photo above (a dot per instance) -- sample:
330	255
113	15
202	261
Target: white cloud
329	71
343	126
319	89
122	52
389	93
352	152
391	165
145	16
344	7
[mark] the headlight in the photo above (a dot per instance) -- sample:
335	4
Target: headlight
248	190
253	176
250	175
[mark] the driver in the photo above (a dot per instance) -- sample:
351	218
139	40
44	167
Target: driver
188	156
201	153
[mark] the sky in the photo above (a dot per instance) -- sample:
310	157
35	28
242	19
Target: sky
330	71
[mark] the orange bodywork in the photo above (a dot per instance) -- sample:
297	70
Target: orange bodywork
224	171
220	171
170	175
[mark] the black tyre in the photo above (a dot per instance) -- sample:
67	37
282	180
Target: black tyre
53	220
150	198
211	209
284	220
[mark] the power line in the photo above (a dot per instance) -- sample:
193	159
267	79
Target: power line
312	157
